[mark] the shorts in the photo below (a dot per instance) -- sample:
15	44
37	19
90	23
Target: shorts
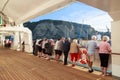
91	58
74	57
59	52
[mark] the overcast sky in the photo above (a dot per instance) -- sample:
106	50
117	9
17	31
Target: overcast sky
80	13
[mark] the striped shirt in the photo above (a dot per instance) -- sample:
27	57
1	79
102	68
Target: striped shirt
91	47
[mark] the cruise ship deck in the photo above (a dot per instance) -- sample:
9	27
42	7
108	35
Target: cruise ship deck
17	65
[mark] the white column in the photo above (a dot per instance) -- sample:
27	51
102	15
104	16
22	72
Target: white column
2	38
16	43
28	42
116	48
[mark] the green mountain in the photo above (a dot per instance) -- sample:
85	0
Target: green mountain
56	29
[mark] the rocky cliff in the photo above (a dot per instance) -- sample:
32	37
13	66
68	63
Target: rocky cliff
56	29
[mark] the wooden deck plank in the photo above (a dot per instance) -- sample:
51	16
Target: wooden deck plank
22	66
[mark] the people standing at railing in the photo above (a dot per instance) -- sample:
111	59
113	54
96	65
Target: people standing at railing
49	49
34	48
91	49
104	53
66	48
45	40
56	49
23	46
59	48
40	48
8	43
74	49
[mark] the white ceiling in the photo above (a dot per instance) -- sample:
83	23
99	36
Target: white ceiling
24	10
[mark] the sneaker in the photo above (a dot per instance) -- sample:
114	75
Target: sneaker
65	64
73	65
90	71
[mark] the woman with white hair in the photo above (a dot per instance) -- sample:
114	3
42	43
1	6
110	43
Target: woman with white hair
104	52
74	48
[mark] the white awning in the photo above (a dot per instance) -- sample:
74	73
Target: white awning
14	29
20	11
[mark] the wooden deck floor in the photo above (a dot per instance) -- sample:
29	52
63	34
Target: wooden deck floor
22	66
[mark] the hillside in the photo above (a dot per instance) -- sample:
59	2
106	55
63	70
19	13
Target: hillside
56	29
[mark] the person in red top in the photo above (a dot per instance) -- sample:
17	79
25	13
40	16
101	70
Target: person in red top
104	53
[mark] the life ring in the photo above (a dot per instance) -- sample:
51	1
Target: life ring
83	57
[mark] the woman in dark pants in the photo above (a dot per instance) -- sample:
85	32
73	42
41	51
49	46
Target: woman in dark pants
104	53
49	49
34	48
66	48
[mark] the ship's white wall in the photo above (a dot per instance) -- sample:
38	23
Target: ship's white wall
116	48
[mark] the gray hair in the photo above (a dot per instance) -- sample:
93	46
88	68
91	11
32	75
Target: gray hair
105	38
75	40
93	37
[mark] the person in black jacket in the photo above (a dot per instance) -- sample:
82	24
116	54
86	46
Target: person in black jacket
66	48
34	48
48	49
